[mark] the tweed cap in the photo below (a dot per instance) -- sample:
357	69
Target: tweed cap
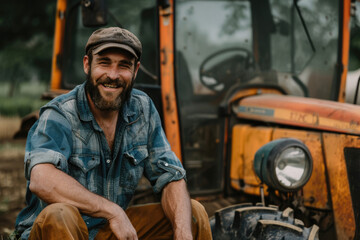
114	37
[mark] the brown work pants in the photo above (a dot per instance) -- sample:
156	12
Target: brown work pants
63	221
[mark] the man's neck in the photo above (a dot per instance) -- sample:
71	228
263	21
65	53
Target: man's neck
107	120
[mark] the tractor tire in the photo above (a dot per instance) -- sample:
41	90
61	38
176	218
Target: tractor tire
246	221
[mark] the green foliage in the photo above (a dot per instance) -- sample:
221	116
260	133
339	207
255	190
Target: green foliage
25	54
26	100
22	21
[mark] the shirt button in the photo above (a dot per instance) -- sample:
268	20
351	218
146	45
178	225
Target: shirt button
108	161
166	164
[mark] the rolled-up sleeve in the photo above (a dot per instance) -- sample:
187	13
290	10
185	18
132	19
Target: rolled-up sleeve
172	173
163	165
49	141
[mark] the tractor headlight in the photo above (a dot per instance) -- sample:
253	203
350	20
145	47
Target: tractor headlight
284	164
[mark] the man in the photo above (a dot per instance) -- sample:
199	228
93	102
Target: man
88	150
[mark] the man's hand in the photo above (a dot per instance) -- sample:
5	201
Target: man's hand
121	226
182	235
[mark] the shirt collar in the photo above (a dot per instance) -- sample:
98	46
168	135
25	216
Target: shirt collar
130	109
85	113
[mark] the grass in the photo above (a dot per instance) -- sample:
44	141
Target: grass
26	99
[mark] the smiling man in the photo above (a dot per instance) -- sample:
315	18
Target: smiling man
88	150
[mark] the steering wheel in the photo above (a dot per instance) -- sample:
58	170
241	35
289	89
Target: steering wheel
223	68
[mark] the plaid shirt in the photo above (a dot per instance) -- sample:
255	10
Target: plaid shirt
67	136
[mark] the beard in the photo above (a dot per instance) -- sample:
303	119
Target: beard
100	103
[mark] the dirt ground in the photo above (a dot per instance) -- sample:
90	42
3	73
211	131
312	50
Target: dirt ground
12	180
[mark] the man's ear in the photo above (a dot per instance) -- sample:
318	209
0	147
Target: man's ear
136	68
86	64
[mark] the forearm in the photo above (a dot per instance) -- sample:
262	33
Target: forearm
176	204
53	185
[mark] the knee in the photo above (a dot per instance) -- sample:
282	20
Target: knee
59	208
59	221
198	211
59	212
200	221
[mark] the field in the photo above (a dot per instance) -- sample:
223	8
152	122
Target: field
26	98
12	181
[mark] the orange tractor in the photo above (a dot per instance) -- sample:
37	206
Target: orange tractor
251	94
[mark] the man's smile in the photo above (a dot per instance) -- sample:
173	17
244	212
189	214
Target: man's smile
110	86
107	87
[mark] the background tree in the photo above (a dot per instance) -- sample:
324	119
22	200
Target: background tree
27	29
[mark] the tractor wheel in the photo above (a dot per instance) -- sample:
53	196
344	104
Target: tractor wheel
245	221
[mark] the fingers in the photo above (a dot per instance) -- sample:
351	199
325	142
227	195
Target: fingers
123	229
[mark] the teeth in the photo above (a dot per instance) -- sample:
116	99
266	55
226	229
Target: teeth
110	86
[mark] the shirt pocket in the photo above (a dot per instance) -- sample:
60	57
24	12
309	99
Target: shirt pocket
85	169
133	165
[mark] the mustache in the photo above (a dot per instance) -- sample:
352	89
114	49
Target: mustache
117	82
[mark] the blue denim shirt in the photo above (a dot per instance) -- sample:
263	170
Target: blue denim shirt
67	136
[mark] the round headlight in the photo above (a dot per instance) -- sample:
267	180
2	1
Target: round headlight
284	164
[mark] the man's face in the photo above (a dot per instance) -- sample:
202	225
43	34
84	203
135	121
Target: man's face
110	77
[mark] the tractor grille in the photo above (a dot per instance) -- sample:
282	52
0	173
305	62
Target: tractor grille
352	158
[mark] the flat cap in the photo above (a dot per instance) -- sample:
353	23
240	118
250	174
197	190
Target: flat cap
114	37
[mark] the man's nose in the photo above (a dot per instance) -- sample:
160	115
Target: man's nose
113	73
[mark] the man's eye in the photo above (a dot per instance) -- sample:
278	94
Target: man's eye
103	62
124	66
